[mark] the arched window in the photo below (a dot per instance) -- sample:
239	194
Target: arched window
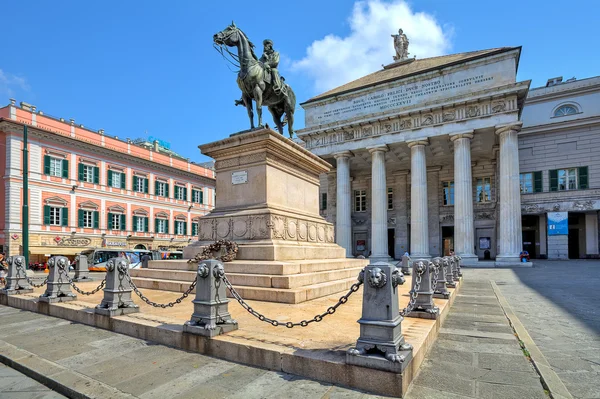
565	110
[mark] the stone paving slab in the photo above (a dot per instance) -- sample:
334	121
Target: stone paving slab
15	385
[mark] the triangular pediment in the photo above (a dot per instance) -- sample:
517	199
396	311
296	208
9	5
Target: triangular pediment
88	205
116	209
56	201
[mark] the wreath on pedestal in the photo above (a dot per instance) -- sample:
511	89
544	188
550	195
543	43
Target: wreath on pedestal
231	249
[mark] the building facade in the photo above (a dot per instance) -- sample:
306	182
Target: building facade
91	190
447	153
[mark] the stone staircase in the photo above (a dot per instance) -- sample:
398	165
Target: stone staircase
272	281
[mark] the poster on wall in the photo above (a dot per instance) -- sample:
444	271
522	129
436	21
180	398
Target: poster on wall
484	242
558	223
360	245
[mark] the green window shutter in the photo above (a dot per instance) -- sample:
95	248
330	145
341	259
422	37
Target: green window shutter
134	225
167	190
553	180
537	182
123	222
583	177
146	224
65	168
80	172
135	183
185	196
194	229
146	186
96	221
80	217
46	214
46	164
175	191
96	175
167	226
202	196
193	194
109	178
64	216
109	225
156	184
185	230
156	225
123	180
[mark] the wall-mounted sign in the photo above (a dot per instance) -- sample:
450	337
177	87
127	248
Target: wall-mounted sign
14	236
239	177
558	223
74	242
116	244
484	242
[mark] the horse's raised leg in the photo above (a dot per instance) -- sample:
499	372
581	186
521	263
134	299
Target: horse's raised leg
248	103
277	119
258	100
289	114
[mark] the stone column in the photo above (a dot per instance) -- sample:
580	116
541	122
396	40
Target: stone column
464	234
343	221
510	237
379	238
419	221
591	234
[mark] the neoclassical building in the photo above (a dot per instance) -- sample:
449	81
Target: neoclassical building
447	153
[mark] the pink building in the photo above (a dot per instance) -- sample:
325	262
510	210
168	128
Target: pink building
91	190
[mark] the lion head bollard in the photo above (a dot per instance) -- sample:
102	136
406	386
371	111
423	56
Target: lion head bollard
58	288
421	295
449	275
406	265
381	344
117	292
457	260
439	289
454	266
16	279
82	272
211	314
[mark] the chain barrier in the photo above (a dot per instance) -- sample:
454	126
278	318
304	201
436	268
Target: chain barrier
76	288
161	305
414	293
20	268
436	272
330	310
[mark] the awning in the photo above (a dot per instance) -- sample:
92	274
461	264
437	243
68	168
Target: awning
43	250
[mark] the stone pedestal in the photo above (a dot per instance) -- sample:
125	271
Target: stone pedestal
381	344
117	291
449	274
211	314
421	286
16	278
267	200
58	288
82	273
406	265
440	290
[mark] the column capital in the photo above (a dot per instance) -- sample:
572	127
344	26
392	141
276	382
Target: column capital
343	154
515	126
467	134
378	148
414	143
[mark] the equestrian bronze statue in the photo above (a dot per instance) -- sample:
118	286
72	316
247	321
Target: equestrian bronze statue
259	79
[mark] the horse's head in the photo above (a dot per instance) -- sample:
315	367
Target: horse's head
229	36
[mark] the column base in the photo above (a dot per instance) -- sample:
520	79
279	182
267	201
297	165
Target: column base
468	260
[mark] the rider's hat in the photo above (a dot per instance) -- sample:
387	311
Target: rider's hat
267	41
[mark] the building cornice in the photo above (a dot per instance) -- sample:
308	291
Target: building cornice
559	126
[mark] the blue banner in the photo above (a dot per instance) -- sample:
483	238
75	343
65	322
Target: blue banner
558	223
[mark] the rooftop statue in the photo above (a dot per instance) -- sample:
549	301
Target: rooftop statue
401	46
259	79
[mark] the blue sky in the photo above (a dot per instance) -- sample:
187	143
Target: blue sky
147	68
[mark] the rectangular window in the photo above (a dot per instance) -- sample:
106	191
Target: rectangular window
323	201
448	187
88	219
55	219
161	189
180	193
115	222
198	196
116	180
88	174
484	189
194	229
526	182
140	223
140	184
567	179
390	194
180	228
360	200
56	166
161	225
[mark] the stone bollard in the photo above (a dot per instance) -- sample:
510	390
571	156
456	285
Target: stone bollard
454	268
421	294
381	344
406	265
58	288
440	290
458	260
117	292
82	272
16	279
449	275
211	315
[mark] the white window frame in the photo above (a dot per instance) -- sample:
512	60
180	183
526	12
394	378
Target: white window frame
55	216
161	189
116	180
569	176
487	195
140	224
179	193
55	167
161	226
360	200
116	221
88	219
88	173
566	110
180	228
448	185
524	179
196	196
141	184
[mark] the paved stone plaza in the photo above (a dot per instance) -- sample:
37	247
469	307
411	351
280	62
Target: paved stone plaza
16	385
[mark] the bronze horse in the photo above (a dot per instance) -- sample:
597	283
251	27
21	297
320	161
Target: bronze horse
251	80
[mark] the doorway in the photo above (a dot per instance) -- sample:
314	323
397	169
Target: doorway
391	242
447	239
529	243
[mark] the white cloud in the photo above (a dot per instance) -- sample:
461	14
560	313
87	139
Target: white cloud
334	61
9	83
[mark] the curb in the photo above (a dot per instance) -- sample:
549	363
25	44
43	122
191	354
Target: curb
550	380
56	377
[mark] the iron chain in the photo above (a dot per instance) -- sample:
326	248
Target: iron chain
436	272
76	288
414	293
330	310
161	305
20	268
